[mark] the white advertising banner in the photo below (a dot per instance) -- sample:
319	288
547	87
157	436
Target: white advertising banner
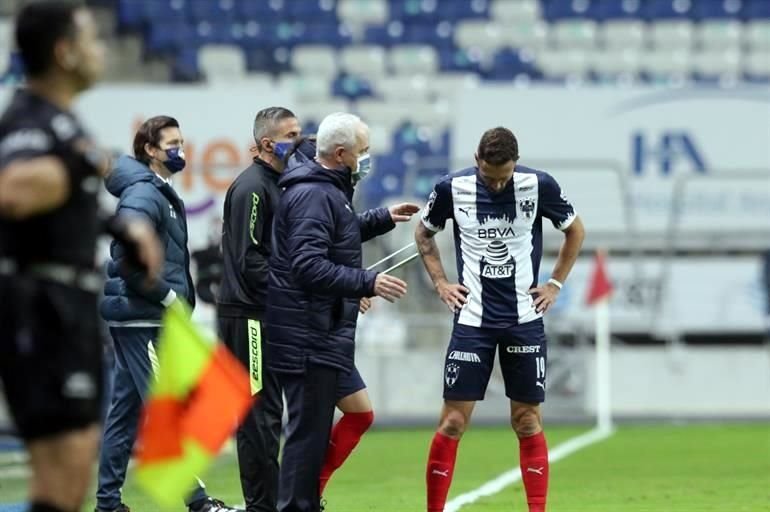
688	295
613	147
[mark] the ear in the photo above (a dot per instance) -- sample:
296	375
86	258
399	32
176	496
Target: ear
148	149
64	55
338	152
266	143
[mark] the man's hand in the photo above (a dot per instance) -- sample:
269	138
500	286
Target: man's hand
389	288
453	295
148	249
364	305
403	212
545	296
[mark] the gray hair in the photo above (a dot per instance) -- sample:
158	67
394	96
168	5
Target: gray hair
338	129
266	120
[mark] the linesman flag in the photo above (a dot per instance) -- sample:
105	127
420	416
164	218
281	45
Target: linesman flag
199	397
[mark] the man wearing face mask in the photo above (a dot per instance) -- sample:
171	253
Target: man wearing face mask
132	309
249	206
315	285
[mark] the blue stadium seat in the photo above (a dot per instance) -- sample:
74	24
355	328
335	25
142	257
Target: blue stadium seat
716	9
438	36
331	34
509	64
385	35
554	10
130	15
263	11
757	9
211	10
168	38
267	59
462	10
416	11
313	11
166	10
352	87
454	59
406	137
185	66
602	10
667	9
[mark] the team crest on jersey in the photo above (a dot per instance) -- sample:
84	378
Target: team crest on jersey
497	263
452	373
527	207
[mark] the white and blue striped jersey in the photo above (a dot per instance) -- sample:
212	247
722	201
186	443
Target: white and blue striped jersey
498	240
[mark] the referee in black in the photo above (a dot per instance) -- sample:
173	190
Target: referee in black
50	173
246	244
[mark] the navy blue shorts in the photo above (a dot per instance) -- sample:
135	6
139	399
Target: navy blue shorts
349	383
471	356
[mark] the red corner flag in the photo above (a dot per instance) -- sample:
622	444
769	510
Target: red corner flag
600	286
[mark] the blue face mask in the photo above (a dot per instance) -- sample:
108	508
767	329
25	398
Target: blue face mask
364	168
281	148
176	161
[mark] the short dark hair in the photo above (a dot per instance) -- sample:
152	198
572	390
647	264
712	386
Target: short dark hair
39	26
498	146
264	121
149	133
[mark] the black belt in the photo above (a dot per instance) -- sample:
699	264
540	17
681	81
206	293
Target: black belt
60	273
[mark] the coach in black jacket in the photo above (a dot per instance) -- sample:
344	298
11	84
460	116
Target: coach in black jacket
246	243
315	285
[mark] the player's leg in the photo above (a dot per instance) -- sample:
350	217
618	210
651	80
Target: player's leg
523	360
358	416
468	365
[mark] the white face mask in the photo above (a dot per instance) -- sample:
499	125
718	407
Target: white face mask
364	167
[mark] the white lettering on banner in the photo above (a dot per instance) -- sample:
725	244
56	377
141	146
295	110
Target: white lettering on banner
523	349
468	357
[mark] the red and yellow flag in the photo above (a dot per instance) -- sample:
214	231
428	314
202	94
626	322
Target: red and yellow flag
199	397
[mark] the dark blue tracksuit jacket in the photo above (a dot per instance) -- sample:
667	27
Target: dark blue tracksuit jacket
316	280
142	193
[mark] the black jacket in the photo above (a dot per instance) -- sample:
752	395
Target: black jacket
250	204
316	279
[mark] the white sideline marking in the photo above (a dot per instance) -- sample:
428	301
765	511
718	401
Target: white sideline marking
561	451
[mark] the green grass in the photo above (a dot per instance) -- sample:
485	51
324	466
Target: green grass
693	468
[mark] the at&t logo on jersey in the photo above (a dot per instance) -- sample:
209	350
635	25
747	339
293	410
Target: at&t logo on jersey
497	262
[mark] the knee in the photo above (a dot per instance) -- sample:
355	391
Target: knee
526	423
453	425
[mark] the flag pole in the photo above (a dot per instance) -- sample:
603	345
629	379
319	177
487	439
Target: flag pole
603	365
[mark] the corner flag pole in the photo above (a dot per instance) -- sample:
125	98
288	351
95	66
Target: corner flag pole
599	292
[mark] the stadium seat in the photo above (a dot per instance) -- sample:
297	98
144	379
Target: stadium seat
623	34
168	37
222	63
210	10
560	9
714	9
615	62
756	35
666	62
314	112
672	34
384	114
185	66
754	9
573	34
603	10
385	35
529	35
332	34
270	59
466	9
415	11
757	65
509	64
717	62
315	11
518	12
314	60
310	88
363	12
435	115
165	10
564	62
666	9
436	35
448	85
719	34
365	61
380	140
413	59
399	89
481	36
461	59
264	11
352	87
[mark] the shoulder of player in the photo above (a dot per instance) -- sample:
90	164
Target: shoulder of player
446	181
544	178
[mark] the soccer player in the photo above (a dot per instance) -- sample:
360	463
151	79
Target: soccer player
50	175
497	208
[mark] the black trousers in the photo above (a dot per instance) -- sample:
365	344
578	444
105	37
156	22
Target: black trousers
311	398
259	435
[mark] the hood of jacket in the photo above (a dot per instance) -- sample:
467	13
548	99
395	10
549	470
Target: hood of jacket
129	171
